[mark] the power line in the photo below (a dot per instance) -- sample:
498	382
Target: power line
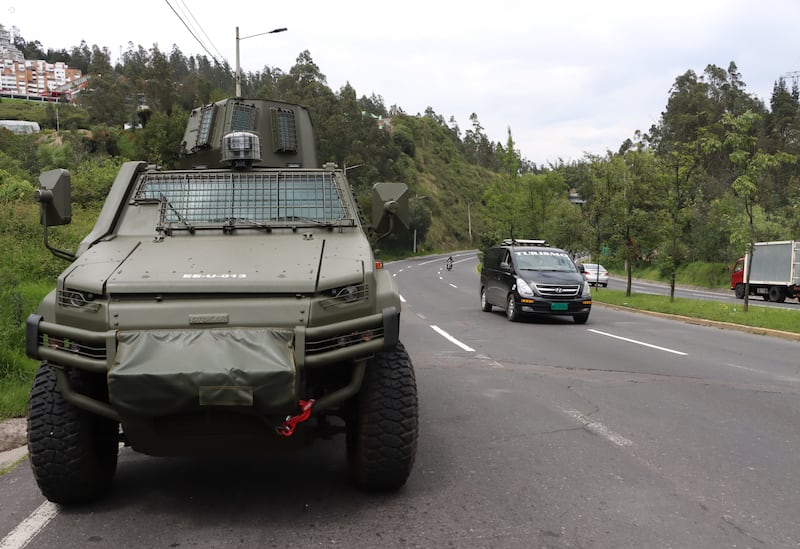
794	75
202	45
185	7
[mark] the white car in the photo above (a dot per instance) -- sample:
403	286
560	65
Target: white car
595	274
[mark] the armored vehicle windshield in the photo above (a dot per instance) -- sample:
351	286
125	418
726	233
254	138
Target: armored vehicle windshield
194	200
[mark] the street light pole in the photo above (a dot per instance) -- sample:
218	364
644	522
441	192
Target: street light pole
417	197
238	67
238	70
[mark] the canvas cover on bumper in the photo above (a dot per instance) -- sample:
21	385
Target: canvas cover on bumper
164	372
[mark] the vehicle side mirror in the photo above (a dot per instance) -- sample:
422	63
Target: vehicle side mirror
55	197
505	267
389	205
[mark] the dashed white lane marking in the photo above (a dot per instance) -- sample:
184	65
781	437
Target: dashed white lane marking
599	429
638	342
491	362
453	285
754	370
430	261
452	339
27	529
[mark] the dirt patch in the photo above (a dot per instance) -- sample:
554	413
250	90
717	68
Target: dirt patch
13	433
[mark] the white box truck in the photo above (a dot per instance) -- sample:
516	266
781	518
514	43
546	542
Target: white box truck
774	272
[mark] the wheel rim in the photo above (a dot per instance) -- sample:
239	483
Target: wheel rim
510	311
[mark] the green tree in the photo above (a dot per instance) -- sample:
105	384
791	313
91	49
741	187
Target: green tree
782	121
420	220
81	57
160	92
92	179
751	165
110	99
504	200
605	173
14	187
639	221
682	176
544	194
159	141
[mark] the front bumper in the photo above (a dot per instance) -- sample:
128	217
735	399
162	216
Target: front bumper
211	382
94	351
545	306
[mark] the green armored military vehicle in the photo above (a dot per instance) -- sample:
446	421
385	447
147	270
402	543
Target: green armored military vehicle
233	306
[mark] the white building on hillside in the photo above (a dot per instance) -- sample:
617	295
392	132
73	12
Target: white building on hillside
7	48
25	77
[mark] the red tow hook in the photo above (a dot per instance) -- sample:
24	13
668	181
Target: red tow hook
286	429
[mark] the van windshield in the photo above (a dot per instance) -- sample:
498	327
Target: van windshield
543	260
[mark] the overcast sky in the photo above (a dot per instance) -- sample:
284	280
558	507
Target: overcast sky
568	77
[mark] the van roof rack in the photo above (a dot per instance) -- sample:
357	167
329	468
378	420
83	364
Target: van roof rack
523	242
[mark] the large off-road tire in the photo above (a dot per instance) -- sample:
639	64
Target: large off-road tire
382	431
73	453
486	307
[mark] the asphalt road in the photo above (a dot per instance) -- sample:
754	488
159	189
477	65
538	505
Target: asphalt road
628	431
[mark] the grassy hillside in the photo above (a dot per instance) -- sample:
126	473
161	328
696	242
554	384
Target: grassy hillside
48	115
27	272
444	185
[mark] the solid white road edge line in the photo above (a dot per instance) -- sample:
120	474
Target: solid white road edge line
27	529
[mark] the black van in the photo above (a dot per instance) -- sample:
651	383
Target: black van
529	277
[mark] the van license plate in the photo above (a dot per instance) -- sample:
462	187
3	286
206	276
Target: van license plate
559	306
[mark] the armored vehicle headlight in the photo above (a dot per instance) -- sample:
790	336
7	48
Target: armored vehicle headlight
344	294
523	288
77	299
349	293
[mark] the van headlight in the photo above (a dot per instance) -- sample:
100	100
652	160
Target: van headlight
586	291
523	289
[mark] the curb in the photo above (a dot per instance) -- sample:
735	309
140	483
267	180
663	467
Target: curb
10	458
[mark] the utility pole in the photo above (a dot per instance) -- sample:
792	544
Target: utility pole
238	67
469	223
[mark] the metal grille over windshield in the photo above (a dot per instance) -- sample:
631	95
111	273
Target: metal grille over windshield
197	199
